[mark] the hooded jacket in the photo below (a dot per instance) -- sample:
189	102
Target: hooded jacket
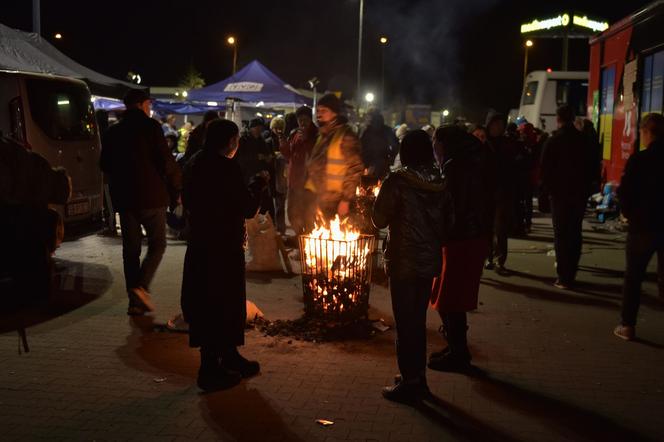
416	206
470	175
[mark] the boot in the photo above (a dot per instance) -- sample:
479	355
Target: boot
443	331
232	359
213	377
458	358
407	391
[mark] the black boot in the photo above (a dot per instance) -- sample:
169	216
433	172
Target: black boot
213	377
443	331
407	391
458	358
233	360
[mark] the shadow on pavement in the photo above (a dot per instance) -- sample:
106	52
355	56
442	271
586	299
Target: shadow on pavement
567	297
243	414
573	422
76	284
157	352
460	424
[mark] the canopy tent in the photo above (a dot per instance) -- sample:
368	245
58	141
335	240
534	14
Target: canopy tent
255	85
180	108
29	52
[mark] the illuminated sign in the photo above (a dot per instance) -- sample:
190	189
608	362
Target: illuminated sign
244	86
584	22
549	23
562	21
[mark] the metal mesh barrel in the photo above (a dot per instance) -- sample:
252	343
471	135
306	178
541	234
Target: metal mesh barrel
336	276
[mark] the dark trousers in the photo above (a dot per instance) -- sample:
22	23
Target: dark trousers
567	216
280	212
455	329
639	250
410	300
524	208
139	274
502	226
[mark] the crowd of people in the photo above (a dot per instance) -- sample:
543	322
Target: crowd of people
451	196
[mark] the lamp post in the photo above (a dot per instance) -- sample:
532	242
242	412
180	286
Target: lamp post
359	51
529	44
58	36
383	43
231	41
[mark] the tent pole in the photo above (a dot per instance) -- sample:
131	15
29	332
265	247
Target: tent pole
36	17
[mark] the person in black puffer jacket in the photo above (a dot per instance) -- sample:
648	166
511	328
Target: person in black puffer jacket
414	204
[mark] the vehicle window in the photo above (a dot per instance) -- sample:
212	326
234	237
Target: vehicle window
61	109
530	92
573	93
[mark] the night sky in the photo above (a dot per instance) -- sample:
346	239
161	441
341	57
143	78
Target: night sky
466	55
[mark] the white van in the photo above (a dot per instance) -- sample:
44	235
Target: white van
544	92
53	116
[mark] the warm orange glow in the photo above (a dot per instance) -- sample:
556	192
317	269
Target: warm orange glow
383	40
58	36
231	40
529	43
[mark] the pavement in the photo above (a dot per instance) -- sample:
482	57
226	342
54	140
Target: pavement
549	367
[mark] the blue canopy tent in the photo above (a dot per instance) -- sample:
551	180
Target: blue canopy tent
254	85
180	108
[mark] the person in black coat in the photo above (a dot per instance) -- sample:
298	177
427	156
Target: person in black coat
469	173
144	180
642	202
504	151
414	204
568	169
213	283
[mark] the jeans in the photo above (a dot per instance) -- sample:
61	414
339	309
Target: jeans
139	274
639	250
567	216
410	300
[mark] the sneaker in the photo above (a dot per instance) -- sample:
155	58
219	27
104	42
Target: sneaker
489	265
144	297
451	362
218	379
502	270
560	285
626	332
407	392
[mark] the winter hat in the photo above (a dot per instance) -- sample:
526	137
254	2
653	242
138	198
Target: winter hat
332	102
256	122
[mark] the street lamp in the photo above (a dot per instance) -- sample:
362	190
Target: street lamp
445	114
369	97
231	41
529	44
383	43
58	36
359	51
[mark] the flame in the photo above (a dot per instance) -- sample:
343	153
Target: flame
336	255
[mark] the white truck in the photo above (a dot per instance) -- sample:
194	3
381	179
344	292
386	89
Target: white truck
53	116
544	92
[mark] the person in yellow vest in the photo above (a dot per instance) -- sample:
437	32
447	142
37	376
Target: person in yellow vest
334	166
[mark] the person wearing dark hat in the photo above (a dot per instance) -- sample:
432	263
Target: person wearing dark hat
144	180
334	166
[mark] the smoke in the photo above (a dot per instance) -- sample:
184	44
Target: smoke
425	40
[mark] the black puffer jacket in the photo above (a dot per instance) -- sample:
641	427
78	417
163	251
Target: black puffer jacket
469	171
416	206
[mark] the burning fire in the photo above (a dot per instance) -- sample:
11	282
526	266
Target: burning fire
335	265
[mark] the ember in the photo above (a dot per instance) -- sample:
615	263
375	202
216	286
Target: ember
336	270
